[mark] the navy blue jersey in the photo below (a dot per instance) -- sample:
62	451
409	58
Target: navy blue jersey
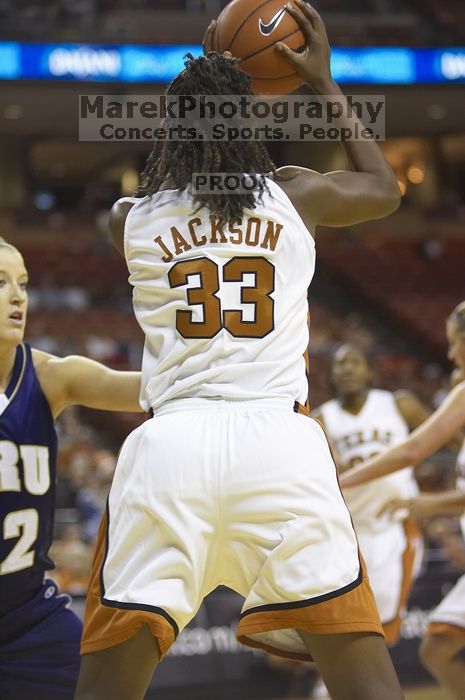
28	448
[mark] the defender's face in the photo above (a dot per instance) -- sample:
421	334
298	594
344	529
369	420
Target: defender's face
13	296
456	338
350	372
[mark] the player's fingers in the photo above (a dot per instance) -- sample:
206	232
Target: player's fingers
307	10
390	507
314	17
303	22
293	57
208	38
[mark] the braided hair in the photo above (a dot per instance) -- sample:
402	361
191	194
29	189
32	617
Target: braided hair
213	74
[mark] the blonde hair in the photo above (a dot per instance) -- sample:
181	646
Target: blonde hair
458	316
5	244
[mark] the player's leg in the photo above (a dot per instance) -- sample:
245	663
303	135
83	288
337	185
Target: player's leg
152	558
442	654
309	575
443	648
121	672
354	666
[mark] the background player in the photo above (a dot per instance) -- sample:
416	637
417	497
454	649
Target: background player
362	422
442	650
234	501
39	636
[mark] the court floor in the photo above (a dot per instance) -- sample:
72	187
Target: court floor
427	694
420	694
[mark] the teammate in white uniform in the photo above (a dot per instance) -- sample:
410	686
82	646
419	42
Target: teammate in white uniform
360	423
443	647
230	483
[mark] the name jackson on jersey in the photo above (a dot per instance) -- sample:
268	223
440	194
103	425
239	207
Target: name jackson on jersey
250	231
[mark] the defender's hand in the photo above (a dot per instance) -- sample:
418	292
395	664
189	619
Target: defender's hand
313	64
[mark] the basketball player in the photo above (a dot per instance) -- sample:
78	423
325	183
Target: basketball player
231	483
39	635
360	423
442	649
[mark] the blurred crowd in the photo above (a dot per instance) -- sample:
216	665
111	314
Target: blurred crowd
389	22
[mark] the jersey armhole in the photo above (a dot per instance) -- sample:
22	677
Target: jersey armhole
135	201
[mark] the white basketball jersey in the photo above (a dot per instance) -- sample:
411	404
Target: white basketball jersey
224	309
461	480
377	427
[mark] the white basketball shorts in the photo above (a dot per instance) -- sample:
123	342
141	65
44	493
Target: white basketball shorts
393	558
449	616
240	494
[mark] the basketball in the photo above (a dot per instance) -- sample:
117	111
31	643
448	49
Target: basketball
249	29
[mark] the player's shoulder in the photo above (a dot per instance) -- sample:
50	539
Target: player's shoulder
292	178
41	359
47	366
404	397
381	393
303	187
117	220
324	407
52	370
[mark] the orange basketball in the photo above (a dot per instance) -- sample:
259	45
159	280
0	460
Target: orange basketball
249	29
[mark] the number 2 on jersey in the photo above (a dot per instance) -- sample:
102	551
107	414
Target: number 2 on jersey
25	525
214	320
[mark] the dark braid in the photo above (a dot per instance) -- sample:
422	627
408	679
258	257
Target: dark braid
178	160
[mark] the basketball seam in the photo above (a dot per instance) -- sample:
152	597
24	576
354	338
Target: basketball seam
276	77
244	21
264	48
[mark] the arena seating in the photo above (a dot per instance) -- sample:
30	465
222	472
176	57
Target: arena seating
358	22
413	283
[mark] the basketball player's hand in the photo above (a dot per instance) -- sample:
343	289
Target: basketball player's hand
207	42
423	506
312	64
393	507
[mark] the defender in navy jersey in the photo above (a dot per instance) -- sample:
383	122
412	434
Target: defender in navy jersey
39	635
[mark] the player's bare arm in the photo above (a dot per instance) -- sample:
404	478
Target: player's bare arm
414	412
76	380
434	433
337	198
427	505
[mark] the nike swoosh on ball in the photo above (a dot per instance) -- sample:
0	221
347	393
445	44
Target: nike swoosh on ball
267	29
